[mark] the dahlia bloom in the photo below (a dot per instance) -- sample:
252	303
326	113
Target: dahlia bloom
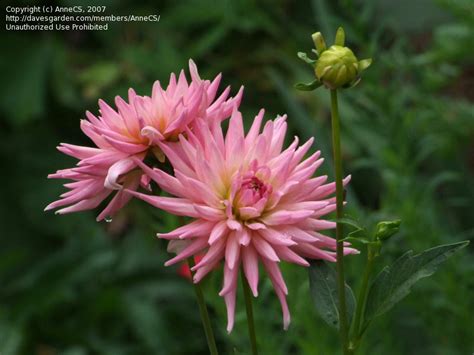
251	202
127	135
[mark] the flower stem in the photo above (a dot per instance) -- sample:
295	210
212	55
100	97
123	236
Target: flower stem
336	143
249	309
206	321
361	299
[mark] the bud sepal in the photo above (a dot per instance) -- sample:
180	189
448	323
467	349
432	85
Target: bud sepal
308	86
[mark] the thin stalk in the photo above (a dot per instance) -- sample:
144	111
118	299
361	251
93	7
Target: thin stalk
206	321
336	145
249	309
361	299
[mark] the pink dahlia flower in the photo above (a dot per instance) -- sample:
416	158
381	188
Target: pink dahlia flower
251	201
125	136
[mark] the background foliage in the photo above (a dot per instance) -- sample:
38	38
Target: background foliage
69	285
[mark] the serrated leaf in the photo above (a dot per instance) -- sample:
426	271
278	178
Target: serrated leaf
394	282
323	286
308	87
304	57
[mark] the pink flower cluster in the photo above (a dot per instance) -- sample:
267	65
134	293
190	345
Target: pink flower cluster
251	201
139	127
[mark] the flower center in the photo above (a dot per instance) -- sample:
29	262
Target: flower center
251	192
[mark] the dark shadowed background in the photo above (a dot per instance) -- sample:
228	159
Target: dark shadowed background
71	286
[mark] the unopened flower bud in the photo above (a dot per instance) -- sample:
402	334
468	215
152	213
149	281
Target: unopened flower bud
337	66
386	229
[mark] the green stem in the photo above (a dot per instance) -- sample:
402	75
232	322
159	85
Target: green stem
206	321
362	297
249	309
336	143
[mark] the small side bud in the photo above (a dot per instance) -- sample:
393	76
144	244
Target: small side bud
386	229
319	42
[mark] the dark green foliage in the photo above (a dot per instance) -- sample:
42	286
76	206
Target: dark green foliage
69	285
323	285
394	282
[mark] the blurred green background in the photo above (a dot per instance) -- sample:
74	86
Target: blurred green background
69	285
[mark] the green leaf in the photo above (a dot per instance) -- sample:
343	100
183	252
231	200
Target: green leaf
304	57
357	239
323	285
359	234
349	222
359	231
393	283
308	87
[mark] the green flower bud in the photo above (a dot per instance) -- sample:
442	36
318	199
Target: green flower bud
336	67
386	229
